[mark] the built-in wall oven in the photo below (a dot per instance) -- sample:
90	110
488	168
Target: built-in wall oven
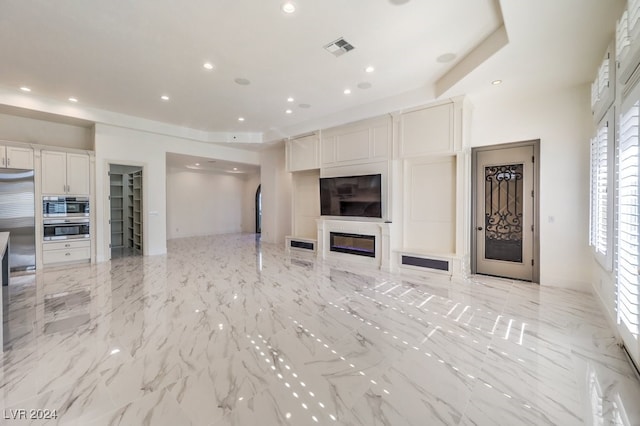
65	207
66	228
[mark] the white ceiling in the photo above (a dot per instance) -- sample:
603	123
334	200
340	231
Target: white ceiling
122	56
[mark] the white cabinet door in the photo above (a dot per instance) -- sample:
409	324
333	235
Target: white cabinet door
77	174
3	156
19	158
54	172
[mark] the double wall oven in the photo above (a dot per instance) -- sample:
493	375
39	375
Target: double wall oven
65	218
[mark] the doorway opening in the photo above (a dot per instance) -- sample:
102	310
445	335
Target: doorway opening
505	211
125	210
259	209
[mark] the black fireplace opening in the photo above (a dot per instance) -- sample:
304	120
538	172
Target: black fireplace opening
361	245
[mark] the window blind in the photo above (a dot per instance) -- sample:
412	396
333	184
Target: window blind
599	190
627	259
623	42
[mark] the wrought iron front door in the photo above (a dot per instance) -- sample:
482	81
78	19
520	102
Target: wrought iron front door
505	212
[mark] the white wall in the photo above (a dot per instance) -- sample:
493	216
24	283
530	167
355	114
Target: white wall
31	130
204	203
562	121
125	146
276	195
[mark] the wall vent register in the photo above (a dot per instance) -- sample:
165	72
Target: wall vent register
302	245
440	265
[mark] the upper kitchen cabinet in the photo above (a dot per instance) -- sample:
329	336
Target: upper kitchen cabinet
16	157
65	173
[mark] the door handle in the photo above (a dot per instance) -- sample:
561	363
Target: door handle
479	228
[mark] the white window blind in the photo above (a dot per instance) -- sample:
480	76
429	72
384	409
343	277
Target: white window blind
600	83
599	191
627	259
623	41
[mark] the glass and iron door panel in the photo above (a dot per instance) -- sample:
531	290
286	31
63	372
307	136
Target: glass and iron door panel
505	213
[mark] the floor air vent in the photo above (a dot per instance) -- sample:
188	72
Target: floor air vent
302	245
440	265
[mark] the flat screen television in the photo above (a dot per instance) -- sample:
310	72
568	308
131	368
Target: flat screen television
359	196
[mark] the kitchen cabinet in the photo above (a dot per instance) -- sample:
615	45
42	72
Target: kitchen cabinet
65	173
66	251
16	157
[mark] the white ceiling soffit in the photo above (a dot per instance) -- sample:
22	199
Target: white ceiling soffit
117	61
208	165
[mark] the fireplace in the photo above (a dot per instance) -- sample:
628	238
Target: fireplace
361	245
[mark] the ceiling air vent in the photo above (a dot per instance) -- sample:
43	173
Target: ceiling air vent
339	47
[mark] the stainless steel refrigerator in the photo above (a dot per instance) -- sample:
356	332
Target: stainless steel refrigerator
17	216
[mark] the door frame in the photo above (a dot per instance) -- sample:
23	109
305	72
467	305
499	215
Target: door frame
535	143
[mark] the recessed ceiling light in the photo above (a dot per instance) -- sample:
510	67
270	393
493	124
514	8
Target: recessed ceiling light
369	69
197	164
496	82
208	65
235	168
73	99
288	111
25	89
164	97
240	118
290	99
347	91
288	7
242	81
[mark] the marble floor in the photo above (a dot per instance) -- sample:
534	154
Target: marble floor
227	331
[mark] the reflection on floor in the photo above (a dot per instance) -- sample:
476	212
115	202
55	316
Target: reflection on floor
228	331
118	252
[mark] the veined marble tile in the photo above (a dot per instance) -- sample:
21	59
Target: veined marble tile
158	408
228	330
407	393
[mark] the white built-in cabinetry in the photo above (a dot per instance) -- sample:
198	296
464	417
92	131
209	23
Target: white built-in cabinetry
303	153
66	251
427	131
357	143
65	173
16	157
422	158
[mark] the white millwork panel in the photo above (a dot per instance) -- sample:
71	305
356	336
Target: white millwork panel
357	143
427	131
303	153
430	205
